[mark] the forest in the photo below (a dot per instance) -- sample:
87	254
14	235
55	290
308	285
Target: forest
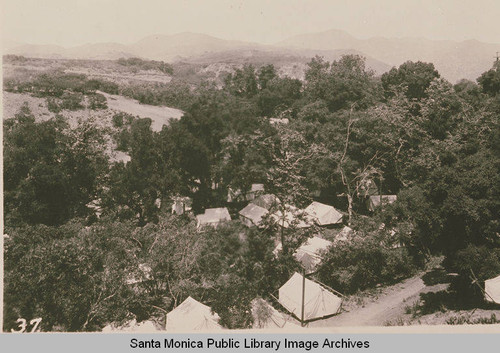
339	136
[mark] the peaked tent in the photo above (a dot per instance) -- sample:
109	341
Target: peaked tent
213	216
255	190
323	214
191	315
318	302
266	201
252	215
181	205
267	317
309	253
492	290
291	219
374	201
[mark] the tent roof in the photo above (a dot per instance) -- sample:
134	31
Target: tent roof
272	317
191	315
290	218
214	215
386	199
257	187
266	201
309	253
492	289
318	302
323	214
254	213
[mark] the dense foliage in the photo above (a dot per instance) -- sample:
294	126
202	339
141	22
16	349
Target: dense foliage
339	136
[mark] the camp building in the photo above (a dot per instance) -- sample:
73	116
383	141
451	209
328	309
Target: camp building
319	302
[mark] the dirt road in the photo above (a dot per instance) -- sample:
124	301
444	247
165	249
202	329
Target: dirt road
387	307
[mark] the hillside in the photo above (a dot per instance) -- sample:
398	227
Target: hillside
454	60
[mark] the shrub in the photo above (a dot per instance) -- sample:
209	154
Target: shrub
364	263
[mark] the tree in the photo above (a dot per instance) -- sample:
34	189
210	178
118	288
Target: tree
490	80
413	77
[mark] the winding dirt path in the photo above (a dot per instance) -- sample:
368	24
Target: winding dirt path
388	306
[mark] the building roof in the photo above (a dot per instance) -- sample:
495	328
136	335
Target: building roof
266	201
213	216
254	213
191	315
318	301
323	214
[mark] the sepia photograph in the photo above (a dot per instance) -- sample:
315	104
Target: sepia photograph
270	166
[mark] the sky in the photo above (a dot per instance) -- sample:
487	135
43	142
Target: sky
77	22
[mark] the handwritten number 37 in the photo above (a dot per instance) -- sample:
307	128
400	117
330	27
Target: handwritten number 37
22	325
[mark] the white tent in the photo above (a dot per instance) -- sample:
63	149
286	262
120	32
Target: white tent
323	214
212	217
181	205
374	201
492	289
266	201
255	190
292	217
191	315
309	253
147	326
252	215
267	317
318	302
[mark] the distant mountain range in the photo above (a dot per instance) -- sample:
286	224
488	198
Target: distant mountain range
454	60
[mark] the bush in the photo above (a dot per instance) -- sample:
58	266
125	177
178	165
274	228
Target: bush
362	264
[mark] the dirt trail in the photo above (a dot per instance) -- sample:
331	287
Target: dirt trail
389	306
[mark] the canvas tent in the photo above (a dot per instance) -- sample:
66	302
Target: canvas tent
266	201
212	217
181	205
318	301
292	217
323	215
252	215
309	254
374	201
267	317
492	290
344	234
238	196
191	315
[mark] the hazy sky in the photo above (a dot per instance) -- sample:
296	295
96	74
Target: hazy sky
75	22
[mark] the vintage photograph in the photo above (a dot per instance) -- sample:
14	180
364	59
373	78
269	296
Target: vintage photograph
205	166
